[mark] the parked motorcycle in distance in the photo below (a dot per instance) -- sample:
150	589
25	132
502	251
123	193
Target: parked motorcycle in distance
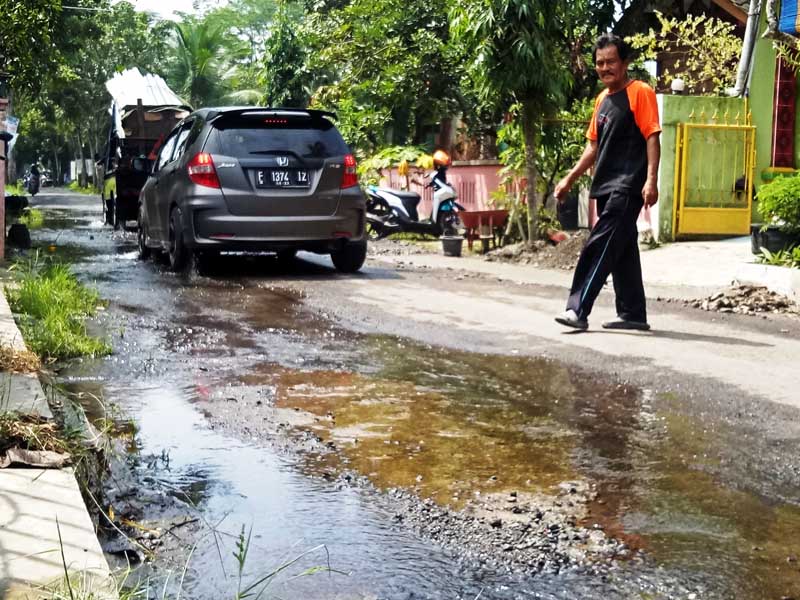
392	211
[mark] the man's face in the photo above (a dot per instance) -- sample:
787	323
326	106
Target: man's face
611	70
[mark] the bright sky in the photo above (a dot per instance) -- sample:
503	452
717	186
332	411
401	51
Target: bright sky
166	9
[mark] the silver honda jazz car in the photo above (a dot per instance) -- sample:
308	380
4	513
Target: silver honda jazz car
251	179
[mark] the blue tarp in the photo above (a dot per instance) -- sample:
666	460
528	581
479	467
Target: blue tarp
788	20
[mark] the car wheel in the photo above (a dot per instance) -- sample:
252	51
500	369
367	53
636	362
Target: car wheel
116	219
110	210
350	257
141	239
178	253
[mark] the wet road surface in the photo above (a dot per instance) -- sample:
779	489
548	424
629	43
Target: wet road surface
213	370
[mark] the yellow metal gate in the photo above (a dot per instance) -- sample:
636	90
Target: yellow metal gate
714	169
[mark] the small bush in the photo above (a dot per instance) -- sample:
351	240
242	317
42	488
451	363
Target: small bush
779	202
15	189
76	187
32	218
51	306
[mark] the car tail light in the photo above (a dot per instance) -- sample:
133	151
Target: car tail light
349	178
201	170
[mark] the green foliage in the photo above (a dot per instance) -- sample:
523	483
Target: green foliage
560	142
198	65
782	258
51	307
75	186
15	189
27	46
779	202
547	222
32	218
383	66
704	52
525	50
369	170
284	74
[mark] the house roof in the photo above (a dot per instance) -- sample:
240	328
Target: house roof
735	8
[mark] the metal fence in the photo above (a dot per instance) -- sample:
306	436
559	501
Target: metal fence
714	167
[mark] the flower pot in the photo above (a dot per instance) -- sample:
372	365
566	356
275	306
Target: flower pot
772	238
451	245
755	238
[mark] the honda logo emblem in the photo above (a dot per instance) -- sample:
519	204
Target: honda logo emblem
283	161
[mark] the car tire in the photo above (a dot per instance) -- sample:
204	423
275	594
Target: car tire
350	257
117	222
110	210
178	253
141	239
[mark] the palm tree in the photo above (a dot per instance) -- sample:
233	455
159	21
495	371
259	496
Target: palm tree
198	68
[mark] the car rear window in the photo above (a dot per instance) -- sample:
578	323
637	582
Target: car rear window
303	137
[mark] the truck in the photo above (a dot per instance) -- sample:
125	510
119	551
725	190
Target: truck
143	111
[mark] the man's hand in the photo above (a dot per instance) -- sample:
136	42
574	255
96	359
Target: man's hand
562	187
650	193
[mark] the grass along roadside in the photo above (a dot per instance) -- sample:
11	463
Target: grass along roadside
76	187
51	307
32	218
15	189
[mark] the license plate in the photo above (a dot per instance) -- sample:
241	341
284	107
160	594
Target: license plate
271	178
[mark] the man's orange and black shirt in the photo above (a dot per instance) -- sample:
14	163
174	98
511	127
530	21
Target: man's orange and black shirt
620	125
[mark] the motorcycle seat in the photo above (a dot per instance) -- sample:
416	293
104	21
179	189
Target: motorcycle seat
402	195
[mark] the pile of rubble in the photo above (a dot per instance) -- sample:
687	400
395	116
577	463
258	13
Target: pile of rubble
544	254
747	300
391	247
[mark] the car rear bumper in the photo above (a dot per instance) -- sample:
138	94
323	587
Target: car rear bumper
214	229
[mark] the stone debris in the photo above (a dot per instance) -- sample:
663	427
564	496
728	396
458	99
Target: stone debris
391	247
543	253
746	300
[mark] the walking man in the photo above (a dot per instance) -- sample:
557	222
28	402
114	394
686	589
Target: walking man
624	148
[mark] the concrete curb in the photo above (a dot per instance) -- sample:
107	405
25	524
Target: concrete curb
42	512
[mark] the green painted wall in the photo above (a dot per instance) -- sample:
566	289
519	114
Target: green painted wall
679	109
762	90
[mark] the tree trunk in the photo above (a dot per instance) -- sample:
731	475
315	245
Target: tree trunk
92	154
82	169
529	135
56	165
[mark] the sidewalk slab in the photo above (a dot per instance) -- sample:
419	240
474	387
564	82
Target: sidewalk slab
9	333
22	393
683	270
34	504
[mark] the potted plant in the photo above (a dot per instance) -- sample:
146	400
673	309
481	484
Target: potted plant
779	205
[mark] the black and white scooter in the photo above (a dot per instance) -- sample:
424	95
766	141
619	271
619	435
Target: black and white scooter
393	211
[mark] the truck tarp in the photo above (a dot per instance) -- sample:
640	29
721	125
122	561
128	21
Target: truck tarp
130	88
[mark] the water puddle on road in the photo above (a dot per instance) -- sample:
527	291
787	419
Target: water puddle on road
452	425
209	369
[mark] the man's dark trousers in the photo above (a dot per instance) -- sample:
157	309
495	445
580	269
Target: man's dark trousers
612	248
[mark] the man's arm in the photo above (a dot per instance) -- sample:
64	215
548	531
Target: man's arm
650	189
584	163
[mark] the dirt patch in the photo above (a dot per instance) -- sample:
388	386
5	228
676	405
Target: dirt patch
388	247
746	300
563	255
18	361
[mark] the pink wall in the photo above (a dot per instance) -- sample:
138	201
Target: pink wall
474	181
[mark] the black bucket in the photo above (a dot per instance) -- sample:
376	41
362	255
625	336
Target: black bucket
451	245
